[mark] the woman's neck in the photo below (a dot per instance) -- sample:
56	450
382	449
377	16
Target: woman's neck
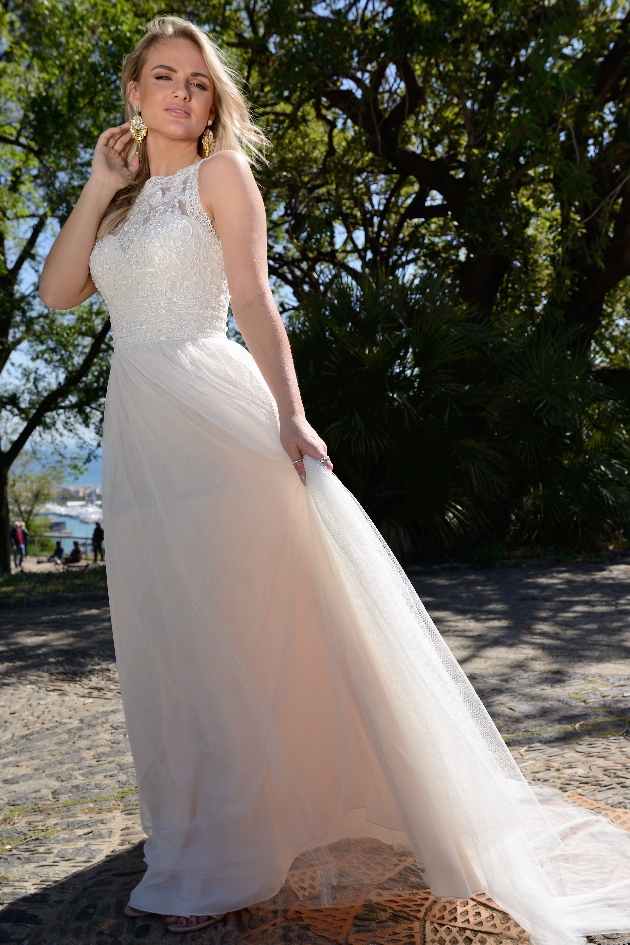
166	158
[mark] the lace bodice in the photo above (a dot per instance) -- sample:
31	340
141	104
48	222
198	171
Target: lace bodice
161	271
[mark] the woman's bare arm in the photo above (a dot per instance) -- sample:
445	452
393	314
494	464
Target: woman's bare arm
66	279
232	199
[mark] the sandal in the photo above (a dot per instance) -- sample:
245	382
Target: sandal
212	920
135	913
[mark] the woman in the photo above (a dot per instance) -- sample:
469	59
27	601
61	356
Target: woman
283	685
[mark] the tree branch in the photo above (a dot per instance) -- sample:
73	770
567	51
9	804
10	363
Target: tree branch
346	101
18	144
383	142
414	96
378	75
613	67
418	209
434	175
517	175
28	247
52	399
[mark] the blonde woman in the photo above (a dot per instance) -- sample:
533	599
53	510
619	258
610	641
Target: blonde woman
283	686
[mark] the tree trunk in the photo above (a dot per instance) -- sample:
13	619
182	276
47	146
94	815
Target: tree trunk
480	278
5	523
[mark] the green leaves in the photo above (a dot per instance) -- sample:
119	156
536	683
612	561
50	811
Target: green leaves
449	228
387	372
451	433
487	141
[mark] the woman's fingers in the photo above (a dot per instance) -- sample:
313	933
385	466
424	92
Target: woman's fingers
122	142
111	133
118	147
298	465
111	136
300	439
317	451
319	456
308	450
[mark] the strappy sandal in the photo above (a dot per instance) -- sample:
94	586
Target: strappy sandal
201	925
135	913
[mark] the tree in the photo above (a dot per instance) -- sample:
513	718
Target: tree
486	144
59	88
450	432
491	137
53	365
32	485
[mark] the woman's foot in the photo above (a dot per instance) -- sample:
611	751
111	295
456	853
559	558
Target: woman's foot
186	920
183	923
135	913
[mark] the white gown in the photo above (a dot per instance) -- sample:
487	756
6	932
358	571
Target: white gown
283	685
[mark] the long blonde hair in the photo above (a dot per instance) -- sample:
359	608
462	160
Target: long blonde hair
233	127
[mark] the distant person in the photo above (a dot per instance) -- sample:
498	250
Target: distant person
98	536
17	543
26	537
57	554
75	555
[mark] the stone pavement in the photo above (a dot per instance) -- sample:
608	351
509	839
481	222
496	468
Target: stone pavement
547	648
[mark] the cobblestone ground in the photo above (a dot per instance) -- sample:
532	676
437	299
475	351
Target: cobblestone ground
548	650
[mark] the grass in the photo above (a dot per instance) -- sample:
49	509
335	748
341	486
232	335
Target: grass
30	584
11	815
45	833
118	796
596	725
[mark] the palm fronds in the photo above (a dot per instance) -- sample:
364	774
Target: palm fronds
452	433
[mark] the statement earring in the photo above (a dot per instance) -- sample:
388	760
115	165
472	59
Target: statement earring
207	140
137	127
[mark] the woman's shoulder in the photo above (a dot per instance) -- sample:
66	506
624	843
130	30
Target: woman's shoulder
226	169
225	159
227	186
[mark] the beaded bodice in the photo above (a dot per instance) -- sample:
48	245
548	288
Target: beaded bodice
161	271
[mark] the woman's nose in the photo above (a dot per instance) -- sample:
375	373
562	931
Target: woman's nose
181	90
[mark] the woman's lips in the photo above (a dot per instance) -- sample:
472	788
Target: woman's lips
180	112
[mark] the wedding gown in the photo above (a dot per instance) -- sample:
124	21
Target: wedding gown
283	685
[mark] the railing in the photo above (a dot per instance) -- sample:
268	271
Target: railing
67	541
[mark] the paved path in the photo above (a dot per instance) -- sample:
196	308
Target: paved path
548	649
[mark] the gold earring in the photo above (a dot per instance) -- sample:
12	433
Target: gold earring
207	140
137	127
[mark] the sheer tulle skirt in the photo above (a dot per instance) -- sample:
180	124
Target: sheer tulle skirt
283	685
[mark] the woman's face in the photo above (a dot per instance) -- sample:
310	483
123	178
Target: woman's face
175	93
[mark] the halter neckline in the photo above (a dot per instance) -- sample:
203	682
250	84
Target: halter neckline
175	173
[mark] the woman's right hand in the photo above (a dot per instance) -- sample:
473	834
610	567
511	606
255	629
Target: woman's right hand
109	164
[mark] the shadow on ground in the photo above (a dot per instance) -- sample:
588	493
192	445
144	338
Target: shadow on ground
63	642
560	615
391	906
387	895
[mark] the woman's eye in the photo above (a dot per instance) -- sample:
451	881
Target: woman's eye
200	86
162	77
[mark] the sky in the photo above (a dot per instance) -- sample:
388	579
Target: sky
92	477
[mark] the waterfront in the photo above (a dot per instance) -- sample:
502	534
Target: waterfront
81	531
78	528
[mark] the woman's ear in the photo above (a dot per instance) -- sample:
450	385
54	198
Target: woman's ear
212	114
132	95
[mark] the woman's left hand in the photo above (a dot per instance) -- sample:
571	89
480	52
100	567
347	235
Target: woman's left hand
300	439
